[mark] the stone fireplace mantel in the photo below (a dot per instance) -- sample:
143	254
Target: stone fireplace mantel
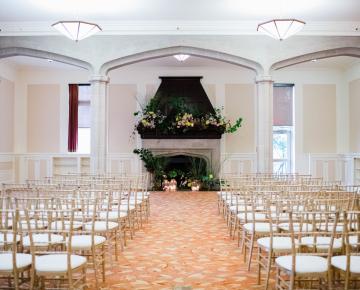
209	149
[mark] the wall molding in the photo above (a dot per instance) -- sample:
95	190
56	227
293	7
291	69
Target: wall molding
179	27
120	160
343	166
7	175
239	160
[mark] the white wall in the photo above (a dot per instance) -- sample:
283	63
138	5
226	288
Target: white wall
216	81
44	77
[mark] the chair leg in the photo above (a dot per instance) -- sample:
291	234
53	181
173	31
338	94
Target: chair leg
116	245
103	262
251	250
84	277
268	270
330	282
259	267
95	267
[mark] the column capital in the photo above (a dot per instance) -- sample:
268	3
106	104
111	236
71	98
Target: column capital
263	79
99	78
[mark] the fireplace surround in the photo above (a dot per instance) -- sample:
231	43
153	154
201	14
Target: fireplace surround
209	149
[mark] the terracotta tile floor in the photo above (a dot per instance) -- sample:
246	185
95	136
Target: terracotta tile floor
185	244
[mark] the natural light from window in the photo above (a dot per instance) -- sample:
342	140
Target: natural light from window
283	127
84	120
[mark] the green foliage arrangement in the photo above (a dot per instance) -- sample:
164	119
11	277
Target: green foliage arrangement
198	171
153	164
178	117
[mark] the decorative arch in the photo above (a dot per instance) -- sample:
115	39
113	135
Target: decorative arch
23	51
343	51
168	51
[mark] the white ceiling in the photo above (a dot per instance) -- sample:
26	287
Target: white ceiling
136	16
144	10
23	62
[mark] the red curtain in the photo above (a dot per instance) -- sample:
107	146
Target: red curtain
73	117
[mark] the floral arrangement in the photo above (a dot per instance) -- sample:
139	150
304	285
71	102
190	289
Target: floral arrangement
184	121
181	118
197	176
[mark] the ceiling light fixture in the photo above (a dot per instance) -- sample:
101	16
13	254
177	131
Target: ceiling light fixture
281	28
181	57
76	30
314	60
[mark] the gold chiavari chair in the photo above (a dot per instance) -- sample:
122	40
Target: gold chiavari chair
304	268
58	267
347	266
15	266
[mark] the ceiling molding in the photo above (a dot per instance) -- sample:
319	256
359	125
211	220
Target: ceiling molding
22	51
170	51
179	28
342	51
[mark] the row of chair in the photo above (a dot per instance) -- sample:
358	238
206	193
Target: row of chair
59	233
296	230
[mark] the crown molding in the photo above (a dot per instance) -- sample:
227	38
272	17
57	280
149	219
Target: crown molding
180	28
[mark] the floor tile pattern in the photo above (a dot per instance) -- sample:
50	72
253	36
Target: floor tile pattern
185	245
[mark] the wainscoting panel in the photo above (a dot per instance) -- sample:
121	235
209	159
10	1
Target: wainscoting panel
123	163
238	163
7	168
332	167
20	167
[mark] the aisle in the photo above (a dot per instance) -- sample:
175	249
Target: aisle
184	244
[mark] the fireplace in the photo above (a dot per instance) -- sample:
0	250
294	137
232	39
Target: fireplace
208	149
203	143
181	167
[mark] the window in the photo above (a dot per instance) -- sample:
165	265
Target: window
283	131
84	119
79	118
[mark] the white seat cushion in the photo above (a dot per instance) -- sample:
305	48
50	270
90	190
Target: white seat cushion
330	228
34	224
58	225
279	243
6	262
84	242
259	227
340	263
322	243
112	215
304	264
250	216
231	201
125	206
353	241
101	226
305	227
240	208
43	240
57	262
222	193
9	238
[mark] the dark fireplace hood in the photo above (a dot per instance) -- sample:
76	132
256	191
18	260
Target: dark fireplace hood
187	88
190	91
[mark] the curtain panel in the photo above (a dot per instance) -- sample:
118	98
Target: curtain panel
73	117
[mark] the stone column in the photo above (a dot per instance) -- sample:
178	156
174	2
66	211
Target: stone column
99	86
264	93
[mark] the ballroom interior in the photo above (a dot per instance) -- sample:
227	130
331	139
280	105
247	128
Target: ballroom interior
78	84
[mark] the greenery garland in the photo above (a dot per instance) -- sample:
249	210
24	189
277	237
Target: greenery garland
181	118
